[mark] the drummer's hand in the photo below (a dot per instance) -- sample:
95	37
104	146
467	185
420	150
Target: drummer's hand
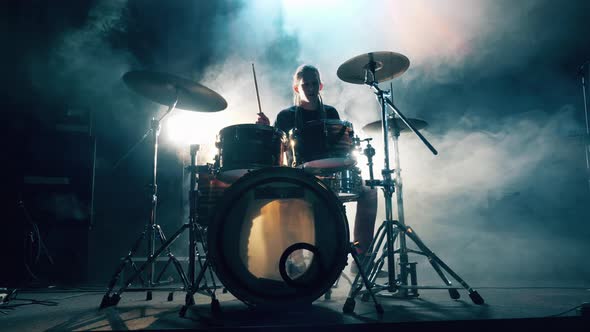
262	119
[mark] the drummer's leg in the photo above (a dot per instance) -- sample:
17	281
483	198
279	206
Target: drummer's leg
364	221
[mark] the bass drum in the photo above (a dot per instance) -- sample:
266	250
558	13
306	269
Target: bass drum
280	238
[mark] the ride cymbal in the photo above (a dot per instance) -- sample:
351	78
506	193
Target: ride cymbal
386	65
376	126
163	88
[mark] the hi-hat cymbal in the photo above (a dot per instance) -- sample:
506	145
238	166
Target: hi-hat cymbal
376	126
387	66
163	88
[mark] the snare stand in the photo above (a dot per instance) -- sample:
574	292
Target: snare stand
391	229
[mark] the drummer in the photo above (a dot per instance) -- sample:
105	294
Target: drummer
308	106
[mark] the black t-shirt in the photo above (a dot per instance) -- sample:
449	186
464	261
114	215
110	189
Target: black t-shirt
286	119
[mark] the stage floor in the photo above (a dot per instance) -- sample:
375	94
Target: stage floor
77	309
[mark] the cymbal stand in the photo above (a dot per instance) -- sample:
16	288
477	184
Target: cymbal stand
151	230
392	229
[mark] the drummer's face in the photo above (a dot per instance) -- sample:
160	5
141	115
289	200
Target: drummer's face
309	86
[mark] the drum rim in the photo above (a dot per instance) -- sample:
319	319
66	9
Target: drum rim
329	121
232	194
254	125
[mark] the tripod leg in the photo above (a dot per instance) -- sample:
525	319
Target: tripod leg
368	263
107	299
435	261
391	273
376	266
391	260
171	259
377	240
180	272
135	269
202	239
189	299
349	304
115	297
157	280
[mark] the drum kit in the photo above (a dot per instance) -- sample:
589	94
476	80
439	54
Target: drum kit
269	211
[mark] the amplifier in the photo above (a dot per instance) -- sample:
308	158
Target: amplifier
48	231
58	177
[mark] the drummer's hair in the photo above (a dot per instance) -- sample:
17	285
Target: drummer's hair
298	75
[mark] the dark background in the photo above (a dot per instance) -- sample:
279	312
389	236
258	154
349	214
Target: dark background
505	201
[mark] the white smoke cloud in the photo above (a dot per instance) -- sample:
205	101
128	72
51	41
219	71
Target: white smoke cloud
497	193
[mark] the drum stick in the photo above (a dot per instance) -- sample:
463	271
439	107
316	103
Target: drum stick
257	95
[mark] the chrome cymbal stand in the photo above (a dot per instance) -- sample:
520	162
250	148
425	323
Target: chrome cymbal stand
392	229
152	230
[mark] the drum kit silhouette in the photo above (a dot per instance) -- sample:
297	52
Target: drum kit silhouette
267	218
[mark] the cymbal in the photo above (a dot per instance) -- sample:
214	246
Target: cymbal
376	126
162	88
388	65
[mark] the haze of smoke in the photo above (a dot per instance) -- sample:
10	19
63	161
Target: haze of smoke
498	192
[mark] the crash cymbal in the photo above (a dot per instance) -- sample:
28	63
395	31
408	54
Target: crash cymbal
387	65
162	88
376	126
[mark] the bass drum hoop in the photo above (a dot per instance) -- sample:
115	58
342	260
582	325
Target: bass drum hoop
304	295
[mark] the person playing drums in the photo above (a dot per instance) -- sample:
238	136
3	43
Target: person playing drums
308	106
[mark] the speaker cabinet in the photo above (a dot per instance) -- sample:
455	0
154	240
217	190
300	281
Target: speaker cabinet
53	209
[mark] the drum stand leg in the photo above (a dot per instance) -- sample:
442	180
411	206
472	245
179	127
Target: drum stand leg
189	299
350	302
398	284
152	229
204	267
112	298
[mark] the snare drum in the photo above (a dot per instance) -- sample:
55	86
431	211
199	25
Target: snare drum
346	184
323	145
246	147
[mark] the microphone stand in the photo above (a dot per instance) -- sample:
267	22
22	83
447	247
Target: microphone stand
392	229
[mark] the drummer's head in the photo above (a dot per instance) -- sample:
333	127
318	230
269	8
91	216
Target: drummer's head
307	84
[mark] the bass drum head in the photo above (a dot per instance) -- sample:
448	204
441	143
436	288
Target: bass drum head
280	238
